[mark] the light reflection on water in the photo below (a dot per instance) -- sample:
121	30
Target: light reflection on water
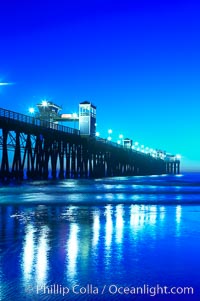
28	254
42	256
178	220
72	251
96	228
119	223
108	226
91	242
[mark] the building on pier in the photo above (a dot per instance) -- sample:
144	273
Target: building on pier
48	111
172	164
127	143
87	119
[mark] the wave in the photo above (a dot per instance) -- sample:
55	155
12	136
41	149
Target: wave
183	189
190	180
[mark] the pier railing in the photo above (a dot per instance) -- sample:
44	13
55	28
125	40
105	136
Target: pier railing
37	122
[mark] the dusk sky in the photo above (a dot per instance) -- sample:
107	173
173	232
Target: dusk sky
137	61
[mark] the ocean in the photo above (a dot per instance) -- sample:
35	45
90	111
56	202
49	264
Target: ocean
125	238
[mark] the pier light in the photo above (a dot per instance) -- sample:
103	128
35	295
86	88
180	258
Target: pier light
163	156
31	110
178	157
97	134
44	103
136	143
121	137
75	115
154	153
133	146
147	148
109	133
118	142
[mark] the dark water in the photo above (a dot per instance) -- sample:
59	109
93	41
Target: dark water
101	239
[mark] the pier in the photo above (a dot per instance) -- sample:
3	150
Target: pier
41	148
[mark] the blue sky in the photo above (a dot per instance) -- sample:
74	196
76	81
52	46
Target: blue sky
137	61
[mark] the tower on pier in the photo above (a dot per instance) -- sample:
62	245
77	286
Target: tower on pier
127	143
87	119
